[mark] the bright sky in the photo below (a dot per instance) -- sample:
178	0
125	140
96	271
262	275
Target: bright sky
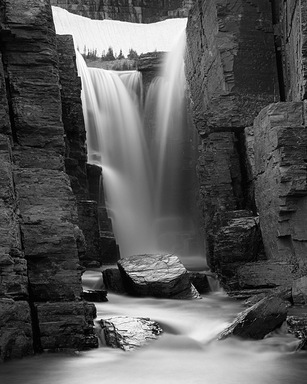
101	34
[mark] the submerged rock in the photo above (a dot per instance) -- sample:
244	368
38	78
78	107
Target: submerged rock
157	275
258	320
128	333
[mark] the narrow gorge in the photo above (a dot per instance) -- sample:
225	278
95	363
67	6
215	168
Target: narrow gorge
238	214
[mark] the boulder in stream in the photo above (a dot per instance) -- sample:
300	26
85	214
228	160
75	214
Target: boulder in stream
128	333
259	320
156	275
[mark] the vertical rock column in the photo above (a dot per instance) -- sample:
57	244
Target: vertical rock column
48	214
15	315
230	67
100	245
277	145
290	29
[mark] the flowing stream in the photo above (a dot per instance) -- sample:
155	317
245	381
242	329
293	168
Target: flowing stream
187	352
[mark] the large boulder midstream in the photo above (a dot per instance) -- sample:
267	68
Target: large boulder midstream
156	275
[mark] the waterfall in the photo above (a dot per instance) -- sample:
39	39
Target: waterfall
116	142
173	149
148	180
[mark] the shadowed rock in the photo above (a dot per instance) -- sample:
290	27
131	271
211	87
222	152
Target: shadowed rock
129	333
157	275
113	281
200	281
96	295
258	320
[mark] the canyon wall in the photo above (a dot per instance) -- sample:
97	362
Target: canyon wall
135	11
242	57
41	304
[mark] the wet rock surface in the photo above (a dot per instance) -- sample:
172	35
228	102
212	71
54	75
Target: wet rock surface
259	320
128	333
157	275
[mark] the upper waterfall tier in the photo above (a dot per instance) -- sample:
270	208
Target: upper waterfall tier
101	34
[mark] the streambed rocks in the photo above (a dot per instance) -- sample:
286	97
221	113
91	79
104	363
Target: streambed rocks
128	333
157	275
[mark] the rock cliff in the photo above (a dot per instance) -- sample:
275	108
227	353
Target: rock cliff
251	167
39	262
135	11
232	75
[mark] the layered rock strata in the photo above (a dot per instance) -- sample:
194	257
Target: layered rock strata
290	30
279	143
231	72
44	259
135	11
98	245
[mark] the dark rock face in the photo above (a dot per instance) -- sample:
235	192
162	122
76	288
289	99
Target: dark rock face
39	233
230	63
86	180
95	295
258	320
72	115
200	282
156	275
66	325
88	217
135	11
290	38
252	174
16	338
13	265
129	333
231	73
113	281
279	142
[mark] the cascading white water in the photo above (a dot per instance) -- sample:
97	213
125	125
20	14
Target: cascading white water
115	142
147	202
173	152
